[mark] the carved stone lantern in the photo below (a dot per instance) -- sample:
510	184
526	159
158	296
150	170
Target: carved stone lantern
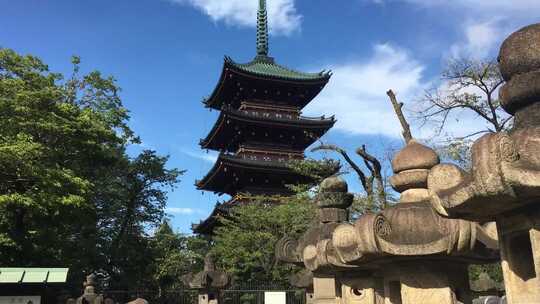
330	282
504	182
420	256
89	295
208	282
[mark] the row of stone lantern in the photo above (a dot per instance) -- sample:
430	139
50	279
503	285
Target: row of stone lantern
419	250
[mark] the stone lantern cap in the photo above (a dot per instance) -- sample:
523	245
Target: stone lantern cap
505	174
412	228
519	61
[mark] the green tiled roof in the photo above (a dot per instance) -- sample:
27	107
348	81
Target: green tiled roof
266	66
33	275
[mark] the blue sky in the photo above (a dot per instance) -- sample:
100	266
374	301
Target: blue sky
167	55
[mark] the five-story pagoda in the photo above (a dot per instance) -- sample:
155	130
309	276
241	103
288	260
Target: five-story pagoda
259	129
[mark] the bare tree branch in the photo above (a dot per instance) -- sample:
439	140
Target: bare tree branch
354	166
375	168
397	108
469	85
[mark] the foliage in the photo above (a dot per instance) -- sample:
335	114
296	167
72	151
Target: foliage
175	255
69	193
316	170
493	270
244	243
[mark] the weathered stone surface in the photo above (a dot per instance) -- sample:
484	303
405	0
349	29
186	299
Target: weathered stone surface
414	178
89	295
209	278
311	248
302	279
138	301
520	52
334	184
414	196
504	183
520	91
414	156
445	176
329	215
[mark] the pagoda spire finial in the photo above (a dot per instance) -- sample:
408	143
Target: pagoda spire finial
262	30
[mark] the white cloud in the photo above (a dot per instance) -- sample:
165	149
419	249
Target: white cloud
209	157
483	24
357	96
481	40
182	211
479	5
282	15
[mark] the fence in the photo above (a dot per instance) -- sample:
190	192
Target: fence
253	293
246	293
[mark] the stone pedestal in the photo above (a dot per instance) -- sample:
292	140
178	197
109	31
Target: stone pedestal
325	289
362	290
519	238
425	282
208	282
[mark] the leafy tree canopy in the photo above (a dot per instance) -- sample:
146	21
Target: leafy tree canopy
70	195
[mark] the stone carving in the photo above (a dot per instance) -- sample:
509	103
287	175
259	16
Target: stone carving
406	253
313	250
89	295
208	282
504	182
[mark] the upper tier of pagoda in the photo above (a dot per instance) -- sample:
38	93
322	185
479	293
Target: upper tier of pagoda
264	79
284	129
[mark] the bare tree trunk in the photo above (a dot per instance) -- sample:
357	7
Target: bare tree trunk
398	109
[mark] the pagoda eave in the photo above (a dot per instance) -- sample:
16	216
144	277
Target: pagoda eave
230	122
206	226
296	91
232	174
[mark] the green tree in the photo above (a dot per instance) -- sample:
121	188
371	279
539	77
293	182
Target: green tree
175	254
244	243
69	193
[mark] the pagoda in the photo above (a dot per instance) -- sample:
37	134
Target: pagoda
260	127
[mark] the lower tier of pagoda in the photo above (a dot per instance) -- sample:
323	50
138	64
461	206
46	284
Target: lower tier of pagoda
207	226
236	174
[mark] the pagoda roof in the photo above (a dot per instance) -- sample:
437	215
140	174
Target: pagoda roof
266	66
207	225
230	172
259	78
220	137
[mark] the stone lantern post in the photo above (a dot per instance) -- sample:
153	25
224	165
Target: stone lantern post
89	295
209	283
504	182
332	203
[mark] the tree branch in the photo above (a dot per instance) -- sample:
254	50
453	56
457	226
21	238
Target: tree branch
356	168
375	169
398	109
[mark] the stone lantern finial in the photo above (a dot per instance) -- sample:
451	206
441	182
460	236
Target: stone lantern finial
411	166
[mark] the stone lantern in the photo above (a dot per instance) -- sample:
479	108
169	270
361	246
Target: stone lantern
89	295
209	283
504	182
330	283
419	256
